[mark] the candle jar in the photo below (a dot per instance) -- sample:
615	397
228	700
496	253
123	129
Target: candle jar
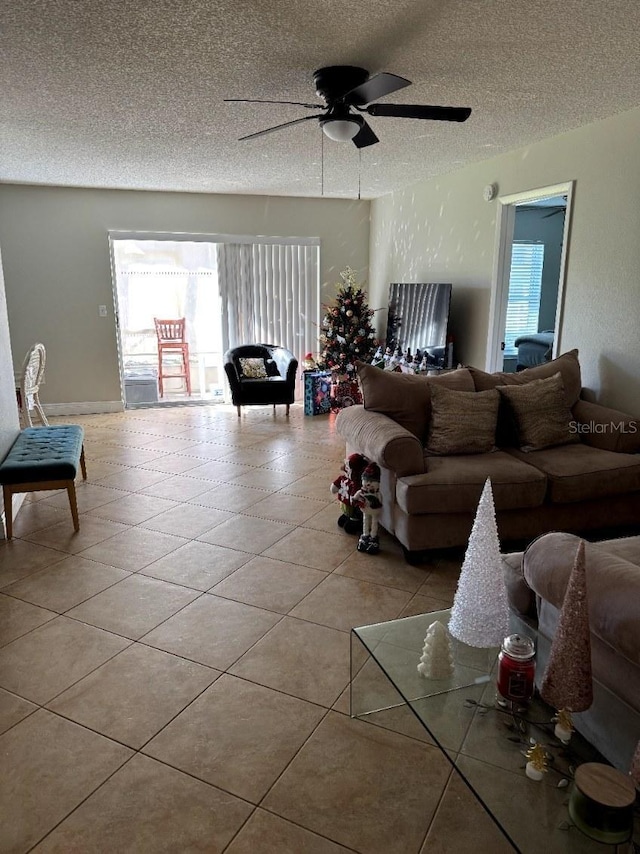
516	668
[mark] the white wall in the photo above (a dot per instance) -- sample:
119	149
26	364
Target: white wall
442	230
8	405
57	266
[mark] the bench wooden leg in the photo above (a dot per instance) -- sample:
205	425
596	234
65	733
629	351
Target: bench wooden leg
71	491
288	410
8	510
83	465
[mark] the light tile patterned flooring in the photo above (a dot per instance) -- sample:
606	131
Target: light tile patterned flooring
173	677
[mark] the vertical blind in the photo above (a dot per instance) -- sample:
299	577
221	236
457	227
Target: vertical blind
270	294
525	285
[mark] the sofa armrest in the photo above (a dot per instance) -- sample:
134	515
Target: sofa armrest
608	429
382	440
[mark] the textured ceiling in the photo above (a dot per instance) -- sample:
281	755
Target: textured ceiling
129	93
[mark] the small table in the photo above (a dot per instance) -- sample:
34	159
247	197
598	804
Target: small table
460	716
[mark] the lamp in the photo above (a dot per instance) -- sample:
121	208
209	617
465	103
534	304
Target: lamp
342	129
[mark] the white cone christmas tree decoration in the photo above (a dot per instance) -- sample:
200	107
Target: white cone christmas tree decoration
567	683
480	611
436	661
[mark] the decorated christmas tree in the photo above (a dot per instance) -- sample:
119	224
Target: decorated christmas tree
480	611
347	334
567	682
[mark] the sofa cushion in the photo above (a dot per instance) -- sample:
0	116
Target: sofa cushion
406	398
627	548
454	484
567	365
540	412
462	422
580	472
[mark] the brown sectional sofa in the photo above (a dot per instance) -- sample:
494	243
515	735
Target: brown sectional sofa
430	501
536	583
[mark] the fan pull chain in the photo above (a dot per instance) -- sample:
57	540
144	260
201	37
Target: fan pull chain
359	170
322	164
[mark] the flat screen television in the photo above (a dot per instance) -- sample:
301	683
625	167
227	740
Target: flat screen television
418	319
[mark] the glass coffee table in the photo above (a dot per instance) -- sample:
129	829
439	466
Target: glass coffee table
484	741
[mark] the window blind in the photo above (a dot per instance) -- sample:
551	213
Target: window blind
270	294
525	284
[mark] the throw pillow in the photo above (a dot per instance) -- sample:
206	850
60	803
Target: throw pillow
271	368
462	422
406	398
253	369
540	412
567	364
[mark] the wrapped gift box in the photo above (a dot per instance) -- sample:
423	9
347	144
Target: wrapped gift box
345	392
317	392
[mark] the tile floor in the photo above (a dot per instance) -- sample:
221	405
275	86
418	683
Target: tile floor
172	677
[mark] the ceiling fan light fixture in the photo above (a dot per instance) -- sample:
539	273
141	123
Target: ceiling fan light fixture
342	130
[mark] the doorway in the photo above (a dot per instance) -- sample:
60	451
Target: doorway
527	297
169	280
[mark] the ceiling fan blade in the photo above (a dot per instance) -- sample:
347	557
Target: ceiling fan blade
416	111
258	101
375	87
365	136
277	127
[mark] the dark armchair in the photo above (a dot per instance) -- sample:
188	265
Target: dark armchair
261	373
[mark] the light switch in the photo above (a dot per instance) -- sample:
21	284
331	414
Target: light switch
102	310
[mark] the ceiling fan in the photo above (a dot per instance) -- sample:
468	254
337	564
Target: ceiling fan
348	92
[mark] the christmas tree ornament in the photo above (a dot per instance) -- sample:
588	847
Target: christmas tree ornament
567	681
436	661
536	766
563	729
480	610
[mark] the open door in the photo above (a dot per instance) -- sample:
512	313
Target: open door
525	323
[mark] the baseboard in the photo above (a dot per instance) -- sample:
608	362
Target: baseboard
84	408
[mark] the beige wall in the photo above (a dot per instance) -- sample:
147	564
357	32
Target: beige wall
57	266
443	230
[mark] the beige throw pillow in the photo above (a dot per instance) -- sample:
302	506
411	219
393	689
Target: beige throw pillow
567	365
253	369
406	398
462	422
540	412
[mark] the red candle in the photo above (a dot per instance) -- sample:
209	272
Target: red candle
516	668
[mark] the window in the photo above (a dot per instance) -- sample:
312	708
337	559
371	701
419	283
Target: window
525	284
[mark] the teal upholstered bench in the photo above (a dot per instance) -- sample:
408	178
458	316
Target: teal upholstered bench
43	458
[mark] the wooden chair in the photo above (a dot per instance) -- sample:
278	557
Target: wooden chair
32	377
171	339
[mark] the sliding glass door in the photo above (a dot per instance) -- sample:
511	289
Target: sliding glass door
230	290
